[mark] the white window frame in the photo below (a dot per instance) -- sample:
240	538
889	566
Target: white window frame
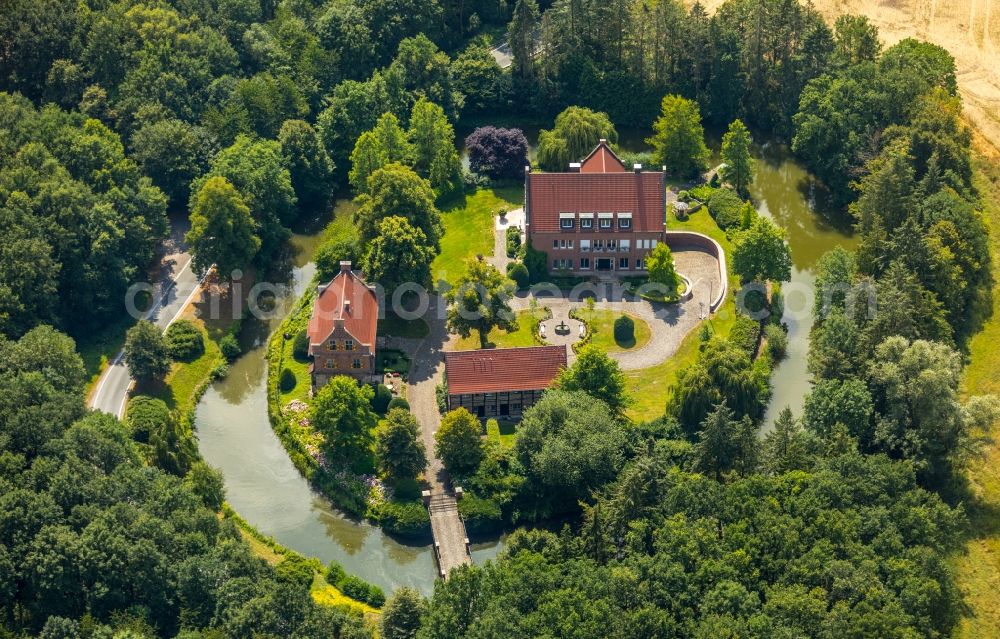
623	264
586	222
625	246
585	246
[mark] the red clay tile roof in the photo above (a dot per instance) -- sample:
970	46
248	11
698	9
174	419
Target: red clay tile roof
503	369
359	314
602	160
642	194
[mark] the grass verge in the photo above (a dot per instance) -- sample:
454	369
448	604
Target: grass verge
977	569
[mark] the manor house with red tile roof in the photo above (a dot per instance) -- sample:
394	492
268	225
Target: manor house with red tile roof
598	216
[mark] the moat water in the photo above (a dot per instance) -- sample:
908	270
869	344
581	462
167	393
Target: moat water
265	488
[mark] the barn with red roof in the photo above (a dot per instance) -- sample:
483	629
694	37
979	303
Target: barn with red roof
599	216
501	383
342	329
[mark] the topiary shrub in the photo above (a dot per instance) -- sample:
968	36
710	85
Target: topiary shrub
184	341
287	380
519	273
624	329
381	399
230	347
300	346
725	207
398	402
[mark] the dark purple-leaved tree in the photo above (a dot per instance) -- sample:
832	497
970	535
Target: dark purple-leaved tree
498	153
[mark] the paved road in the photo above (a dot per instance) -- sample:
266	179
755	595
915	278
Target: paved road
176	286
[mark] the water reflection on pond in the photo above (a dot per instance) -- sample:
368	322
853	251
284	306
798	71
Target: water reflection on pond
784	191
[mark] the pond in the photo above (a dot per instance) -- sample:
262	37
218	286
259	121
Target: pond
263	486
784	191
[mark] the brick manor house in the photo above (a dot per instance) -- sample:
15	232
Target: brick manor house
596	217
342	329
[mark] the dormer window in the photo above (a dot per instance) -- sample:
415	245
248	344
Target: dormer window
605	220
624	220
567	221
586	220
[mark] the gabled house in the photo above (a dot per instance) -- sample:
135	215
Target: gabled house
501	383
599	216
342	329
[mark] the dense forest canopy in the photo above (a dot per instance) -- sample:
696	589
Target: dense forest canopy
249	115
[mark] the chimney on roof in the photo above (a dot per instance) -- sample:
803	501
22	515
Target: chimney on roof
347	307
345	266
574	167
637	168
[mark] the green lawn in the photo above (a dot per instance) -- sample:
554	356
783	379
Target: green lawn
601	322
523	336
468	229
503	432
978	566
179	390
650	387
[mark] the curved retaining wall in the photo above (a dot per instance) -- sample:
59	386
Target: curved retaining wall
683	239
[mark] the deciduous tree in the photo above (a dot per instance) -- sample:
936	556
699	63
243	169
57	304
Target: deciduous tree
761	253
498	153
395	190
457	441
399	451
146	351
400	254
342	412
577	131
597	375
222	231
480	301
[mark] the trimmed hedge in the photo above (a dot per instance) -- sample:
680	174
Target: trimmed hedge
300	347
288	381
726	208
513	240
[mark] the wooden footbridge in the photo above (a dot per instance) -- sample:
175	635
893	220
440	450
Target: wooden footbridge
451	543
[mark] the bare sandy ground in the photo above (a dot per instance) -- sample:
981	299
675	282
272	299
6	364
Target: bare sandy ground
968	29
